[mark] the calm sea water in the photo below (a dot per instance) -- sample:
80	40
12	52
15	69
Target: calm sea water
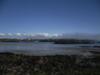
43	48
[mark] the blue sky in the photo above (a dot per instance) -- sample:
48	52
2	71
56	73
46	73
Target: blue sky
50	16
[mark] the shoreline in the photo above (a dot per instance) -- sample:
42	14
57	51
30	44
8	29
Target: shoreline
68	51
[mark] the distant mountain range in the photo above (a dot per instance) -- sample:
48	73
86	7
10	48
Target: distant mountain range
46	36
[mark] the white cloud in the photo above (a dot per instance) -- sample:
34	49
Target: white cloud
10	34
47	35
56	35
2	34
18	34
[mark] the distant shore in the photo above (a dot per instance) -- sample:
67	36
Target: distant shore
19	64
55	41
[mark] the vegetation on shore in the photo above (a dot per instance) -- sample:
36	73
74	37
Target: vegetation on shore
15	64
56	41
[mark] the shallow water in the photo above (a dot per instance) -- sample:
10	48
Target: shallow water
43	48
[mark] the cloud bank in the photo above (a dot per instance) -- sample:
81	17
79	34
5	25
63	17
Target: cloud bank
47	35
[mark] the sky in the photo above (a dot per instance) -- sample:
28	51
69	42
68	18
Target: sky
50	16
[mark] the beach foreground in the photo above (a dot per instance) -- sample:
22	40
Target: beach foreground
19	64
